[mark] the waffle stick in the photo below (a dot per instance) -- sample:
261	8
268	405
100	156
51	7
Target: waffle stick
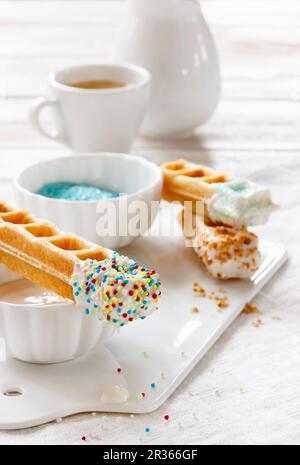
39	252
185	181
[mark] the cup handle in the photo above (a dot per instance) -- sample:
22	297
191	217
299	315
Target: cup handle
38	105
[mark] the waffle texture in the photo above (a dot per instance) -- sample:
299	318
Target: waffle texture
185	181
38	251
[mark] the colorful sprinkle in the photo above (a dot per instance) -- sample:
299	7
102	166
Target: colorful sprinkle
116	290
166	417
147	429
119	370
153	385
83	438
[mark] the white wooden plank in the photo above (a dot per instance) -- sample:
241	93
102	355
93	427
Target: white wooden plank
242	125
87	40
27	78
54	40
229	12
257	62
254	64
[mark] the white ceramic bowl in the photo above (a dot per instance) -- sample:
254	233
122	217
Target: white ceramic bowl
137	178
49	334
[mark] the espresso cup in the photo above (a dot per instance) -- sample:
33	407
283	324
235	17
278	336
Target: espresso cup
95	119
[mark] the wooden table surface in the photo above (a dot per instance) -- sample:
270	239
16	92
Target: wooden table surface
255	132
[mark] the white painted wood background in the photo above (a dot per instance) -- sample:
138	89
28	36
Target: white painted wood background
255	132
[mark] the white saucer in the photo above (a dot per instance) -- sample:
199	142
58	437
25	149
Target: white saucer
161	350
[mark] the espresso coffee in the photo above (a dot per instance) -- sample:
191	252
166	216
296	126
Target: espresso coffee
97	84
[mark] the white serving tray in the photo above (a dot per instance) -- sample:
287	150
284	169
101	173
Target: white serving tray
162	349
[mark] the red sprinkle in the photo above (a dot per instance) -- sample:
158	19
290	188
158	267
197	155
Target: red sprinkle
124	315
83	438
119	370
108	317
130	292
143	394
166	417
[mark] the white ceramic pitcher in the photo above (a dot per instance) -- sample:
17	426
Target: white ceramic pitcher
172	40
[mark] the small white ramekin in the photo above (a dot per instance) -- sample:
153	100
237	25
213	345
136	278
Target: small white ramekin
139	180
49	334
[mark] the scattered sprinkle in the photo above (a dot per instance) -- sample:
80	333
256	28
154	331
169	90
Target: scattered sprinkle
222	300
242	390
199	291
119	370
257	323
83	438
166	417
222	303
147	429
250	308
195	310
153	385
